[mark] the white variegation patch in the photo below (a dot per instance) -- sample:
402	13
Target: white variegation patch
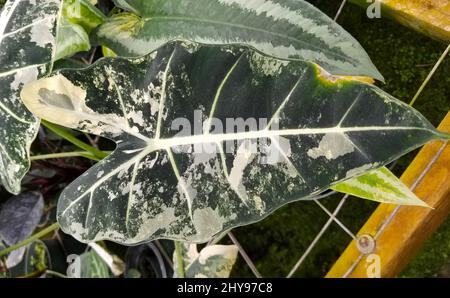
332	146
24	77
361	169
69	100
42	32
244	156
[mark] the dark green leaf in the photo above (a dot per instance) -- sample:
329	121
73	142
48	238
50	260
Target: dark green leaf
19	217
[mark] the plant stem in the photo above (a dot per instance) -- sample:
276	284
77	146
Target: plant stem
85	154
180	262
30	239
443	135
69	137
56	274
430	75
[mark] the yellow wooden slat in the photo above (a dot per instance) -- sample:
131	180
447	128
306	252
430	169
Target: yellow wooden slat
408	227
430	17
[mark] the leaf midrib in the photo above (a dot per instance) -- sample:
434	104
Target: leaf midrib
267	133
168	143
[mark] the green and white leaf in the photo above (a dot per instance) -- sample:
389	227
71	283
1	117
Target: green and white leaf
91	265
71	39
107	52
83	13
80	17
27	39
114	263
282	28
314	131
214	261
380	186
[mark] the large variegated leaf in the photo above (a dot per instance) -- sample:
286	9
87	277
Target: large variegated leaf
27	38
382	186
282	28
304	130
214	261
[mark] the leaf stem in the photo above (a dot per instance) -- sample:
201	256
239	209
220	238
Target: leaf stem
30	239
443	135
54	273
85	154
69	137
180	262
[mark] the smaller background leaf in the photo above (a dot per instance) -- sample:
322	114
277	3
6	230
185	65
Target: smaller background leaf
20	216
83	13
79	18
149	261
15	257
71	39
114	263
90	265
33	263
380	186
214	261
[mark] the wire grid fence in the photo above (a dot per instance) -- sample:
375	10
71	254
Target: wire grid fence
332	215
